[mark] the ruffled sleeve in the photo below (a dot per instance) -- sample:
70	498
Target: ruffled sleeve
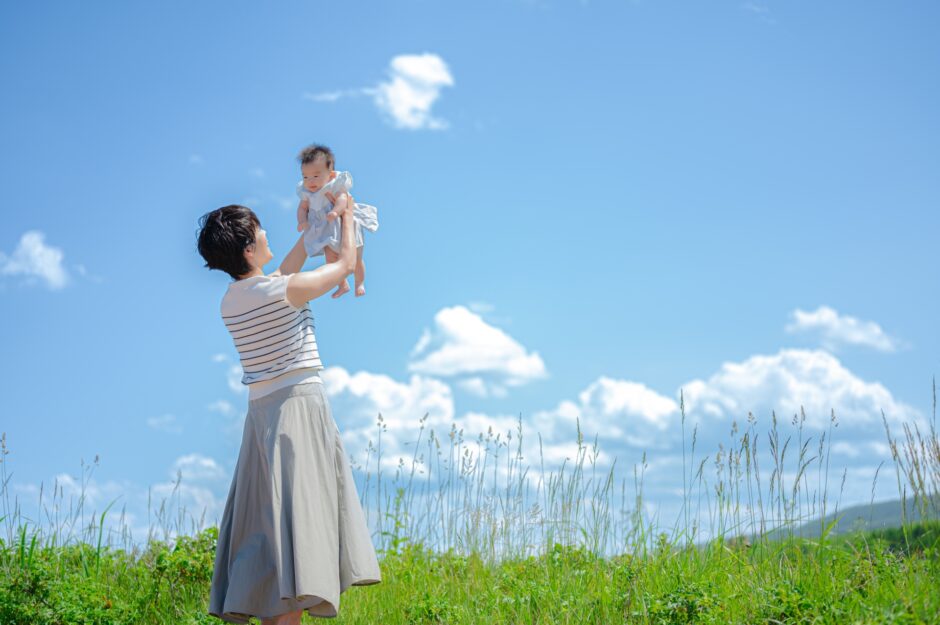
342	182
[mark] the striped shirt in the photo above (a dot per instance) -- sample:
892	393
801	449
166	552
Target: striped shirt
274	339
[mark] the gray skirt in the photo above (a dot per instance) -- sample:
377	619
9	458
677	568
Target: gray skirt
293	535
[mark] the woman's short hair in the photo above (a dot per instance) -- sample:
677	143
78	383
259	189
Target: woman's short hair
224	235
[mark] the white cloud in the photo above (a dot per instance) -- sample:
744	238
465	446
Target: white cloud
792	378
196	159
625	415
414	84
357	400
222	406
761	11
463	344
34	259
84	273
197	483
284	201
80	502
629	419
620	397
191	489
196	467
836	329
753	7
165	423
96	494
235	374
191	500
481	308
333	96
399	403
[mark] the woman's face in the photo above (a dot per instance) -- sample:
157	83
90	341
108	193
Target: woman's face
261	252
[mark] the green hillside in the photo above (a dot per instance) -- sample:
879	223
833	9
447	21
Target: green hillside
864	517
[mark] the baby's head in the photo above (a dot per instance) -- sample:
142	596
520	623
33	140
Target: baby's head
316	165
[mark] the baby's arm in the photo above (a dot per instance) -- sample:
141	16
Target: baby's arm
302	214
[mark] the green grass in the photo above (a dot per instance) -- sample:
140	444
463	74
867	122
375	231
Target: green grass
468	533
860	579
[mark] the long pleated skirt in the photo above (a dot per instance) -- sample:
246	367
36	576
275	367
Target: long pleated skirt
293	534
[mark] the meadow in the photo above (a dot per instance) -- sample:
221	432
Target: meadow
468	532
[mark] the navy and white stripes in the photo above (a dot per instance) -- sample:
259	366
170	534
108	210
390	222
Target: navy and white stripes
272	337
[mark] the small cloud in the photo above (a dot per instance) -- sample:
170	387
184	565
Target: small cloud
165	423
836	329
222	406
193	481
481	308
84	273
414	84
196	159
463	344
235	374
257	172
333	96
422	343
753	7
284	201
195	467
34	259
762	11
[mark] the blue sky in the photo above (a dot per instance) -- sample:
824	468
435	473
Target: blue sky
584	207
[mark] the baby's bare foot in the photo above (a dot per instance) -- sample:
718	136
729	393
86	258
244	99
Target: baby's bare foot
342	290
360	290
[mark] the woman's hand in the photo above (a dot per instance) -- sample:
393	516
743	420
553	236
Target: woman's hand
341	203
338	202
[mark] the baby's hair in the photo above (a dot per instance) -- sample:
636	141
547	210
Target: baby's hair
224	235
312	152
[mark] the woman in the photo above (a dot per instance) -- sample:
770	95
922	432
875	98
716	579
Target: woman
293	535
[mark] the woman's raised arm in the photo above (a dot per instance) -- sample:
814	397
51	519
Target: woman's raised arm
304	286
294	261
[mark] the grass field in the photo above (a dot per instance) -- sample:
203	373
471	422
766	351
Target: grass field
467	533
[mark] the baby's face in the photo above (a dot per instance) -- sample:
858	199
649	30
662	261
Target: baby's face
316	174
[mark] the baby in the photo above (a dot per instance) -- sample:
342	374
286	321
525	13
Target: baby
317	219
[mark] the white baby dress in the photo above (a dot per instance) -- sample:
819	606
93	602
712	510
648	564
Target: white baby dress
321	233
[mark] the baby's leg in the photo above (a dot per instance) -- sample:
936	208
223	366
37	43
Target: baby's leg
332	257
360	272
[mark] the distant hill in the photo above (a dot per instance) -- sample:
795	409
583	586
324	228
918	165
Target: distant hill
863	517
